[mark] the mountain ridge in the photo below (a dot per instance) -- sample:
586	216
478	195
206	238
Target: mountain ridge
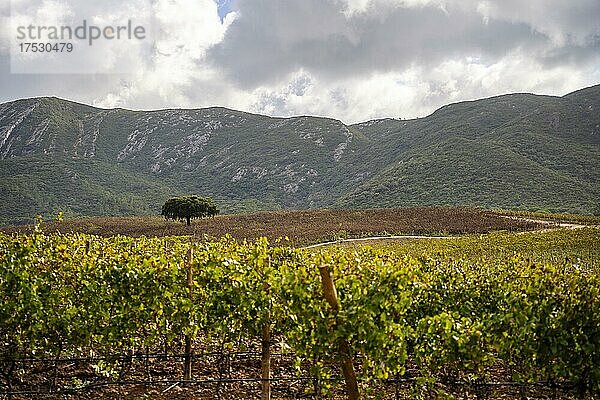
292	116
59	155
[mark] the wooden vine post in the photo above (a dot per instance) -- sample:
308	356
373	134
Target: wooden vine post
187	364
344	348
266	354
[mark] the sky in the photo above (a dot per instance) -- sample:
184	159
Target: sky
353	60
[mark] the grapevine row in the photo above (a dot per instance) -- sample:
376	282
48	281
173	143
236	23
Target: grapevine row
76	294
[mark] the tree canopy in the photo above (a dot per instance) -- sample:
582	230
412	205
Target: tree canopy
189	207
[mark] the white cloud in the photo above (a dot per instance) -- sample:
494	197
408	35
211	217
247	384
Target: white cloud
416	91
562	21
107	56
185	30
348	59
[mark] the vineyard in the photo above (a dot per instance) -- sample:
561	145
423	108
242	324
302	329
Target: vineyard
421	319
302	226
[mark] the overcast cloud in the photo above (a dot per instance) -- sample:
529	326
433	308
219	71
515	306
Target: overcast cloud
349	59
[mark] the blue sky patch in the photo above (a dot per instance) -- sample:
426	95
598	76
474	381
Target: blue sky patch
224	7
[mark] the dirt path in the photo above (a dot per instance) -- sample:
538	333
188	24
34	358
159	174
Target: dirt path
375	238
551	226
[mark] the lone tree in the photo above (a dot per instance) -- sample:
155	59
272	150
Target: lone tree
189	207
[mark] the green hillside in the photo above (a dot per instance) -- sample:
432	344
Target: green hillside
513	151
